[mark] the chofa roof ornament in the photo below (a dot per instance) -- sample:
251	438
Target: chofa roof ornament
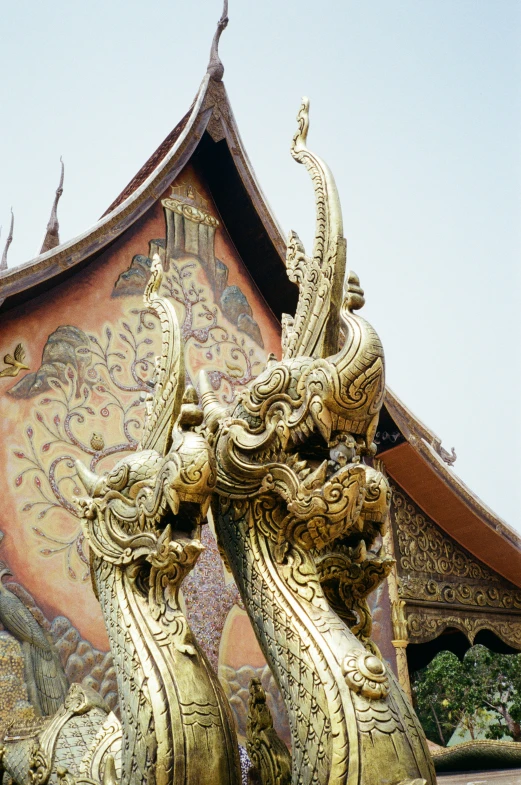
215	66
52	233
3	262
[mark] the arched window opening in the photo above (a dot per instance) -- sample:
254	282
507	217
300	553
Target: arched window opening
419	655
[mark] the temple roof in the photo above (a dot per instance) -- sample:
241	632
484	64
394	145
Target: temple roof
208	137
419	464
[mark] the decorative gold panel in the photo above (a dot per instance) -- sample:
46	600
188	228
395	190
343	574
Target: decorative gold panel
444	586
427	623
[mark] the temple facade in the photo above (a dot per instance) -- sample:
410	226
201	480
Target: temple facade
79	348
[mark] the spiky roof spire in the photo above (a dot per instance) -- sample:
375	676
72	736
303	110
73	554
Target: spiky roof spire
3	263
215	66
52	233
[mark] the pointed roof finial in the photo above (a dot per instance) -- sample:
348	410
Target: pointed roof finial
3	263
52	233
215	66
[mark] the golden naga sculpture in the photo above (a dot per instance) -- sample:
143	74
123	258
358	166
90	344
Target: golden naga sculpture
298	510
142	521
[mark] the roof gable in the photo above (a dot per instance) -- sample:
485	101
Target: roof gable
208	136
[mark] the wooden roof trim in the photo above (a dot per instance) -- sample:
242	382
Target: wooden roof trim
113	224
451	511
427	446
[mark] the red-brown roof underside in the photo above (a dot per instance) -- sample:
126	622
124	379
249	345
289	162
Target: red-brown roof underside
442	502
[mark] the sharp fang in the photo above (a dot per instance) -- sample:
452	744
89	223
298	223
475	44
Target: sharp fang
318	478
360	554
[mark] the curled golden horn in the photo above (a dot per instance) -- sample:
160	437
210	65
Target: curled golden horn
213	410
110	776
353	292
88	479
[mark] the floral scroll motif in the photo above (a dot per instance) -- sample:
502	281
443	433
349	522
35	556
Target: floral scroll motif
92	406
424	627
465	594
424	548
203	330
431	565
435	572
66	425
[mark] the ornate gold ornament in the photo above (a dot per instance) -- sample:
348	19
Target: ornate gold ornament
424	548
188	203
440	585
399	622
299	512
14	363
142	522
425	624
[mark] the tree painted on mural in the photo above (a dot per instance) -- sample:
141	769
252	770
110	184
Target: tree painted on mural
481	695
68	425
92	410
203	327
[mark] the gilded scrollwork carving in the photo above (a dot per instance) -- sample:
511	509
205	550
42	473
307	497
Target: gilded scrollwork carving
424	548
142	522
399	622
481	596
433	568
366	674
424	626
441	585
194	213
348	576
40	766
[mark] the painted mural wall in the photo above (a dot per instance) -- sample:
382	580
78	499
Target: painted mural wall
79	365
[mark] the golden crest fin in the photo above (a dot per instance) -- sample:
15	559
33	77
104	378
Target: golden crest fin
314	330
164	406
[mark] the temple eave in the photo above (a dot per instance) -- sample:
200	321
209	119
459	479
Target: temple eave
455	509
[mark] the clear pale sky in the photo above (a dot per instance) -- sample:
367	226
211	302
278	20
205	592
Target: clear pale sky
415	105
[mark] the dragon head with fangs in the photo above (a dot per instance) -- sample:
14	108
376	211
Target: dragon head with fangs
301	431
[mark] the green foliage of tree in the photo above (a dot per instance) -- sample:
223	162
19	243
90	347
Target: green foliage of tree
482	693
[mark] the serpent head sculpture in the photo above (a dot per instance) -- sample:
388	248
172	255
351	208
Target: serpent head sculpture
142	521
